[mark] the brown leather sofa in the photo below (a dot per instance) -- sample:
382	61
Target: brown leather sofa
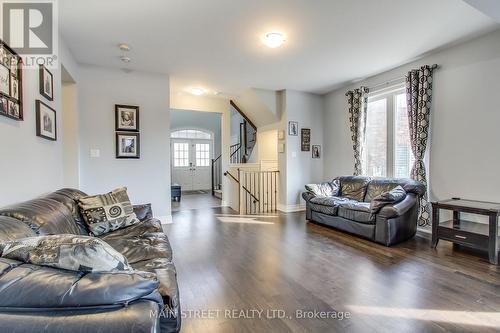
350	209
43	299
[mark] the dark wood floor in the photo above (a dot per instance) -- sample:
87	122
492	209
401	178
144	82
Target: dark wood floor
228	263
196	200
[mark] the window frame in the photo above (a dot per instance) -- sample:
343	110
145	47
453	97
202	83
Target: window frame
389	94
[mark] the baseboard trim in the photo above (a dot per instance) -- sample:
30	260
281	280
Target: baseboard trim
291	208
167	219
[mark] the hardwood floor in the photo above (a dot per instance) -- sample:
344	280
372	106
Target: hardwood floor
226	262
196	200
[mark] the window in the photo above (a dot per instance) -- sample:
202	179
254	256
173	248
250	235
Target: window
181	154
191	134
387	150
202	154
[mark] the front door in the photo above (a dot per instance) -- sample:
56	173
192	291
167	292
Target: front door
191	164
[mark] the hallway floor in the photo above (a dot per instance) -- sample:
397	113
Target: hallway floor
231	267
196	200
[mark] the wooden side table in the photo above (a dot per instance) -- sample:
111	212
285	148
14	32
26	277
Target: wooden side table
468	233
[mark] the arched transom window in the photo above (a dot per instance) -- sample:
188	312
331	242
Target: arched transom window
191	134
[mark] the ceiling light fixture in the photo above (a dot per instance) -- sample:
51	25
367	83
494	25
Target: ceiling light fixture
125	59
124	47
197	91
273	39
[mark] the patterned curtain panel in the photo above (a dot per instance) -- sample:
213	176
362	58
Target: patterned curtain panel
418	98
357	101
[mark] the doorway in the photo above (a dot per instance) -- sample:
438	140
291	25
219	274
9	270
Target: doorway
195	143
192	154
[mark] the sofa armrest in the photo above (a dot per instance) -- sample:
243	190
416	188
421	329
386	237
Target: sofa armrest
32	286
307	196
143	212
398	209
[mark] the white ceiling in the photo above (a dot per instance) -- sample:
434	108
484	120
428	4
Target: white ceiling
216	43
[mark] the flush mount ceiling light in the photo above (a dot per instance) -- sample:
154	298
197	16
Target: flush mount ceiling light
124	47
273	39
197	91
125	59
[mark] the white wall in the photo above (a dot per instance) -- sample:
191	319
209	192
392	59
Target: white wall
147	178
301	169
32	166
464	159
70	134
209	121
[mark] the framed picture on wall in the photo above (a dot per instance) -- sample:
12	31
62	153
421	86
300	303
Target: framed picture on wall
46	121
316	151
4	80
293	128
128	145
11	83
127	118
46	83
305	139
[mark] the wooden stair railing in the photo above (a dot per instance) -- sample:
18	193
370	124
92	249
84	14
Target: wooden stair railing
258	191
216	174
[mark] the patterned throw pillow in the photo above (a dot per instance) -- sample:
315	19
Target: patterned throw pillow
66	251
107	212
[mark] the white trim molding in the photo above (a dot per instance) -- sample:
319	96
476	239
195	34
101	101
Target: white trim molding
165	219
291	208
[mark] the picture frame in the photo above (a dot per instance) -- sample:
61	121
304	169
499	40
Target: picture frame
126	118
46	83
305	139
4	80
293	128
46	121
128	145
4	106
316	151
11	83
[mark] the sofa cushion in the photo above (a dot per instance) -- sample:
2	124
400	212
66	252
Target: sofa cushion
31	286
326	205
11	229
71	252
69	197
107	212
356	211
381	185
45	216
393	196
167	276
144	247
354	187
143	212
326	189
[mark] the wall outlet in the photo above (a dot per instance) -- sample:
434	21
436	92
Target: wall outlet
95	153
294	154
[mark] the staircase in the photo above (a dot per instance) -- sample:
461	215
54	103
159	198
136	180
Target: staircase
239	152
257	190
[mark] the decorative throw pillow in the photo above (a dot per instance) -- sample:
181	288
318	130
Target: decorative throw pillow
66	251
327	189
393	196
107	212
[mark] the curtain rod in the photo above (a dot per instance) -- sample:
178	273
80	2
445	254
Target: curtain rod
394	80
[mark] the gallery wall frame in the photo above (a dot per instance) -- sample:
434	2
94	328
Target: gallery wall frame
11	83
46	121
